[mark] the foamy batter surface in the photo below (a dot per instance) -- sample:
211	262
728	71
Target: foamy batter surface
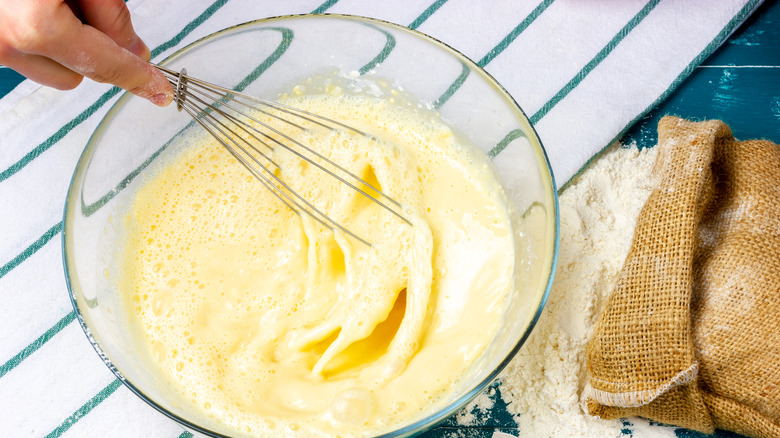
273	325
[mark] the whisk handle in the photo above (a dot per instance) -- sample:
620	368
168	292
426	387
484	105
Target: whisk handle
181	89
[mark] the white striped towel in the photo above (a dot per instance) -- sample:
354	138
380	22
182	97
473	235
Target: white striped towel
584	71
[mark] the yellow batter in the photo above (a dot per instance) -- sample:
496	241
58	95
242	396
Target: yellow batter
273	325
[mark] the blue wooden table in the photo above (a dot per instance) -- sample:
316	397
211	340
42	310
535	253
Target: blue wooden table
739	84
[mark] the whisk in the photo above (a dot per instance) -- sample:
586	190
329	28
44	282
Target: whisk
230	117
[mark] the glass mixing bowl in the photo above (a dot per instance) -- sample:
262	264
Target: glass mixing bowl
263	58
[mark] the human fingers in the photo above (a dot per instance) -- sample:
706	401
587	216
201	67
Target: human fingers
43	70
113	19
91	53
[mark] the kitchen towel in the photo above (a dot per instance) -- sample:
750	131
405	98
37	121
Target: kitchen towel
583	71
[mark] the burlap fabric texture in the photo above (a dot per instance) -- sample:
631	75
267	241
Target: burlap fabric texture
691	334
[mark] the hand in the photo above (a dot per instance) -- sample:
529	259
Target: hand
59	42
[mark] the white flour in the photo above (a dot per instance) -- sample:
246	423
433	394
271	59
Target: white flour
543	386
477	409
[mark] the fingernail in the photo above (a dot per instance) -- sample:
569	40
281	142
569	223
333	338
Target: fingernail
161	99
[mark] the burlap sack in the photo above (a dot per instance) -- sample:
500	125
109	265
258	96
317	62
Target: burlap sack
691	335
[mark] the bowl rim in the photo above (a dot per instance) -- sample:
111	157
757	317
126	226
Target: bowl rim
425	423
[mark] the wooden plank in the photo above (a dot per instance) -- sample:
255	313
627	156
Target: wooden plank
746	98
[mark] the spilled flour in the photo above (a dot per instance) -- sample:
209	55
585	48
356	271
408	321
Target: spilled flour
478	409
543	386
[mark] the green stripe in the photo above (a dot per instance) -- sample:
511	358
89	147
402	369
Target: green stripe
36	344
287	37
509	138
89	209
85	409
600	56
65	129
427	13
57	136
389	46
192	25
32	249
711	47
495	51
324	7
464	74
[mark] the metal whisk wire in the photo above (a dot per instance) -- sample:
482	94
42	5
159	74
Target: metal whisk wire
227	114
